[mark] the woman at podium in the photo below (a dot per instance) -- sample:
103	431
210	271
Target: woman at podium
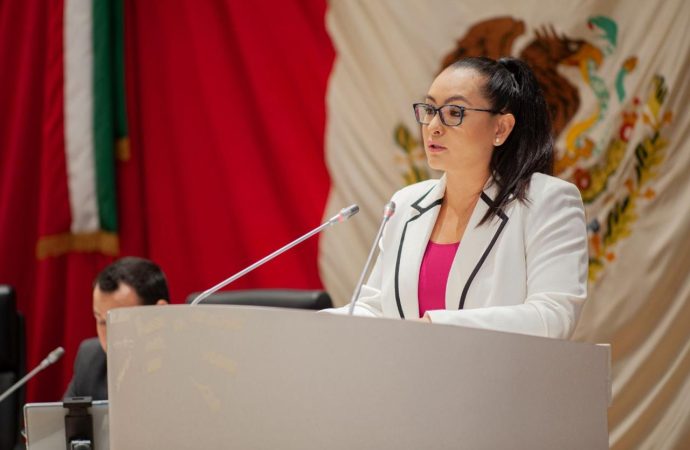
496	242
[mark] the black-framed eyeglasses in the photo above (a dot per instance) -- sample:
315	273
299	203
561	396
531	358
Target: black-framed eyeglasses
451	115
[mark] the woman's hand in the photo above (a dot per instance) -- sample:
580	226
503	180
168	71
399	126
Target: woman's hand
425	318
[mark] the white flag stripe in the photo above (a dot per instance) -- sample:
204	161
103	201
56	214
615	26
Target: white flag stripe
78	94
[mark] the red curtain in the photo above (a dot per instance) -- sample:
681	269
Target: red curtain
226	114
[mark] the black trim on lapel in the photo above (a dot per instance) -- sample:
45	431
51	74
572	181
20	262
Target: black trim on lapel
421	210
504	220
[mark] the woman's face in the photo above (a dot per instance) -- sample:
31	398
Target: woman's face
469	145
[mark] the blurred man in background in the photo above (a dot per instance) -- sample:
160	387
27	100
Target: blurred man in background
126	282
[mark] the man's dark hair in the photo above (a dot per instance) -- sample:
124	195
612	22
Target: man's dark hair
142	275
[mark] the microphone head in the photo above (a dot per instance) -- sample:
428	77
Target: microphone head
347	212
55	355
350	211
388	210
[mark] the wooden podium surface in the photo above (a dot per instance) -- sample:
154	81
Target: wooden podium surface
183	377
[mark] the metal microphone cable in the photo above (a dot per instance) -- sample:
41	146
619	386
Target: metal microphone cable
342	216
47	361
388	211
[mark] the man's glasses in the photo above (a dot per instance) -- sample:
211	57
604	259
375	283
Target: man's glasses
451	115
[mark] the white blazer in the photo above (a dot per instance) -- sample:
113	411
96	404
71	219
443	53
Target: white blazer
525	271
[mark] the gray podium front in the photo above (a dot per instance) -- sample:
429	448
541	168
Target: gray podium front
210	377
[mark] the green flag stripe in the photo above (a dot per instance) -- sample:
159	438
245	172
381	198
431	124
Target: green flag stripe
104	112
119	69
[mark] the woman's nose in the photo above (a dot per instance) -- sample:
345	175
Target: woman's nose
435	125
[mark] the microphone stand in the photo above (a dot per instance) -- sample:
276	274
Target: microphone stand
50	359
388	211
342	216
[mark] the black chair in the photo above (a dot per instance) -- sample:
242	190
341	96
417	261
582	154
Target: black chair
12	367
280	298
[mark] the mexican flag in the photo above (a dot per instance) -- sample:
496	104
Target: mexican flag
63	133
614	75
190	133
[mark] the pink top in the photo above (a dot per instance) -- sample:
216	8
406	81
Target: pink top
433	276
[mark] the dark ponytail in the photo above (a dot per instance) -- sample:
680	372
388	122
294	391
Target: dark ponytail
511	87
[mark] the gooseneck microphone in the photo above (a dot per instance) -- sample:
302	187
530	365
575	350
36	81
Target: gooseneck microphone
48	360
388	211
342	216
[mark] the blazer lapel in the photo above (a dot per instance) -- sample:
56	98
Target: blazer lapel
413	241
475	246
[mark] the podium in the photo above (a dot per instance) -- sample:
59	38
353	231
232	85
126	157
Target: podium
209	377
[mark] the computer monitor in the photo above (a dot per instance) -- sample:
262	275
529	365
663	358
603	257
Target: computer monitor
44	425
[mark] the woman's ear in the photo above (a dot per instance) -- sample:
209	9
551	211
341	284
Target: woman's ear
504	126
